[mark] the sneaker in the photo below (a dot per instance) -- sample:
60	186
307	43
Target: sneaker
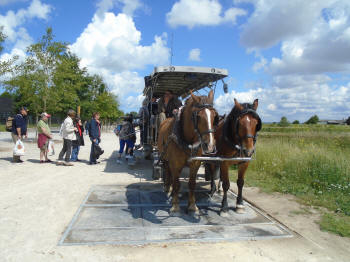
59	163
42	161
119	160
128	156
48	161
67	164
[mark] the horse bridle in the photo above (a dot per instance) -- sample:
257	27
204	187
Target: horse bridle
237	143
201	107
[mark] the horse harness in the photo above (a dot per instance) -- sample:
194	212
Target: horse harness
235	142
177	135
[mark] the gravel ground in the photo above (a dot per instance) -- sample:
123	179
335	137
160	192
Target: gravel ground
37	202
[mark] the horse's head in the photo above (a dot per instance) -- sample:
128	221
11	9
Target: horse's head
246	123
205	119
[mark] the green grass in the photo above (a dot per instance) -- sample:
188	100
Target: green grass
2	128
312	163
338	224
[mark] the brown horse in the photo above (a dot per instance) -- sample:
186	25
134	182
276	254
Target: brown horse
191	135
236	136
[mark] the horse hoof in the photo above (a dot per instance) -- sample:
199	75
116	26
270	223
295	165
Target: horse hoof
175	210
240	209
224	213
193	210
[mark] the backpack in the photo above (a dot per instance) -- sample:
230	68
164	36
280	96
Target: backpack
117	129
9	123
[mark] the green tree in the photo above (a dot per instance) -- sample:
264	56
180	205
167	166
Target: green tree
6	94
32	80
296	122
5	65
283	122
312	120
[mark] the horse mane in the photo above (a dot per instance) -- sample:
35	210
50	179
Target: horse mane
235	111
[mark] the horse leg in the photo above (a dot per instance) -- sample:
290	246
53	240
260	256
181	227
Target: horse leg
212	181
167	176
240	182
192	207
175	174
224	176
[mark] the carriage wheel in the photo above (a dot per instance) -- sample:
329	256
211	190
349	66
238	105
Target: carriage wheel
148	152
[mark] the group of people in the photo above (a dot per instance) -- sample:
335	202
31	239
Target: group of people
72	132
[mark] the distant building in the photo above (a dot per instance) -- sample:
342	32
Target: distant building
6	108
332	122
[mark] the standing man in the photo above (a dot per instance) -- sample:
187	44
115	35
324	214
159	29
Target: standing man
68	133
19	129
95	136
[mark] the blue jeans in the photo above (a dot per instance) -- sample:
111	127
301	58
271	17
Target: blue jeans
75	152
92	155
122	143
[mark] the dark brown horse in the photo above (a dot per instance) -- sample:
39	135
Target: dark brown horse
236	136
178	140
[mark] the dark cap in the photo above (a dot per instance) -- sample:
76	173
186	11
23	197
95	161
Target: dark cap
24	108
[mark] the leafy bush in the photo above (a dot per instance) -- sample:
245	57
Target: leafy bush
312	120
296	122
283	122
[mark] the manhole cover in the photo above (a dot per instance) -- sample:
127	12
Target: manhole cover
139	214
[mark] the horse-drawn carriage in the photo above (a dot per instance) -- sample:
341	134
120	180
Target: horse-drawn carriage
196	134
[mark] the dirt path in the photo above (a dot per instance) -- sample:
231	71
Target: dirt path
37	202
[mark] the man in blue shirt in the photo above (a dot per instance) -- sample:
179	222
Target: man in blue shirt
19	129
95	136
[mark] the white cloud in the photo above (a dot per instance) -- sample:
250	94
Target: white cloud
194	54
260	64
7	2
129	6
134	102
271	107
13	20
110	46
307	96
273	21
193	13
13	23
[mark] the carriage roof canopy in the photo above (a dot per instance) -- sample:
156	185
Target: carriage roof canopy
181	79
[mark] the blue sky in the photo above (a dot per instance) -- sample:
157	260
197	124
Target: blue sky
292	55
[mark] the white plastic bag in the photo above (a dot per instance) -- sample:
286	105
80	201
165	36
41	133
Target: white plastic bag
51	148
18	150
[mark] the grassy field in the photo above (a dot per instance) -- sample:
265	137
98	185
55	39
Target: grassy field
311	162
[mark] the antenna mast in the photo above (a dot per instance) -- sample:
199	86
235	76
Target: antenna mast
171	49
